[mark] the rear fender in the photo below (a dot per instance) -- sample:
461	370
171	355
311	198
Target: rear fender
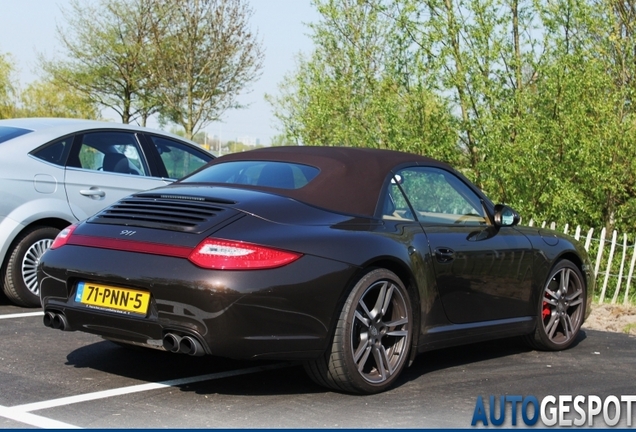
28	214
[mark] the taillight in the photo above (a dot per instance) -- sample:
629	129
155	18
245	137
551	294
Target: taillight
210	253
63	237
233	255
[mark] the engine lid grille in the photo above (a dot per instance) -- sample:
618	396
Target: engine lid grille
168	212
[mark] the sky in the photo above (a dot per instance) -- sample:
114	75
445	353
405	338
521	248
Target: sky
28	28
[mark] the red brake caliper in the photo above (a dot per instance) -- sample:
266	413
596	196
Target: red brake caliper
546	310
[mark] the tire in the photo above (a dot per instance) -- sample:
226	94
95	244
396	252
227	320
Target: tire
372	338
561	308
20	271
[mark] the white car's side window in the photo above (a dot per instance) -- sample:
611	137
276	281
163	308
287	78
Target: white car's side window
178	159
116	152
55	152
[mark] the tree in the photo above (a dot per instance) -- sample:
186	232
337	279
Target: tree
363	86
199	138
50	98
205	56
543	126
7	87
185	60
281	140
235	147
108	55
532	100
481	55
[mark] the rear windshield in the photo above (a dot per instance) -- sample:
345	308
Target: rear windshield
281	175
7	133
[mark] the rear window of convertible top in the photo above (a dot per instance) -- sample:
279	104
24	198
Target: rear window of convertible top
7	133
280	175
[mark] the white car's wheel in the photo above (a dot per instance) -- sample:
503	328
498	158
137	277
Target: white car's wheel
20	272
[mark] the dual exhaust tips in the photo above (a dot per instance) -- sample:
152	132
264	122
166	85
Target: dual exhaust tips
182	344
55	320
171	342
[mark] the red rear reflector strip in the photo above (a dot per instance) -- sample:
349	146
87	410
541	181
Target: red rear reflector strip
130	246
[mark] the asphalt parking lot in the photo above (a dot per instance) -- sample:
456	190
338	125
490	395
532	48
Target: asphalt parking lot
50	378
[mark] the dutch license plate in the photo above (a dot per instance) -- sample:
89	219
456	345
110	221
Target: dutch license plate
114	298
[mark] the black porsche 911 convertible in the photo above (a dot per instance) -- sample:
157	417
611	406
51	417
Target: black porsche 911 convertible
350	260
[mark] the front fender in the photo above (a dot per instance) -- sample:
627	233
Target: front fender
552	247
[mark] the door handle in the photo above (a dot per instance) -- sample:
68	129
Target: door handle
444	254
93	193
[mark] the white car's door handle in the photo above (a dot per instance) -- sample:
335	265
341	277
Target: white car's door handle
93	192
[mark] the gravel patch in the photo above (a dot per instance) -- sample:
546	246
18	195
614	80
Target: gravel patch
613	318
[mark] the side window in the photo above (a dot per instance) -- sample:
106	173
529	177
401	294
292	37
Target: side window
178	158
55	152
439	197
117	152
395	205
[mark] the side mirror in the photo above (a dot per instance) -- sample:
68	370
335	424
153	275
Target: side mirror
505	216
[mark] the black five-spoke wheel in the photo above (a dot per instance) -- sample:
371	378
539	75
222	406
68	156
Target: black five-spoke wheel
380	331
372	339
562	308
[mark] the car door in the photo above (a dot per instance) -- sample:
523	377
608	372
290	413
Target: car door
482	272
103	167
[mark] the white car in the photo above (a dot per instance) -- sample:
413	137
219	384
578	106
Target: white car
54	172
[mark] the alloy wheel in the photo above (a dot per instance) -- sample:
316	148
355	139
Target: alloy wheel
30	263
380	330
562	306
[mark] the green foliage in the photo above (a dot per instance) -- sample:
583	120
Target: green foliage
186	61
91	159
179	164
199	137
55	99
109	56
7	87
580	136
45	98
532	100
235	147
361	87
205	56
441	197
282	140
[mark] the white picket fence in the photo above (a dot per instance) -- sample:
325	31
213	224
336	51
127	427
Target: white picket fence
615	259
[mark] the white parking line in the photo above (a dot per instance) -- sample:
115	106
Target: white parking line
141	387
33	420
21	315
22	413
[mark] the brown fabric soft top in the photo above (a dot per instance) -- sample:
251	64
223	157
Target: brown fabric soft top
350	179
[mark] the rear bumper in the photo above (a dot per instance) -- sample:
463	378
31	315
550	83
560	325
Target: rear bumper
283	313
